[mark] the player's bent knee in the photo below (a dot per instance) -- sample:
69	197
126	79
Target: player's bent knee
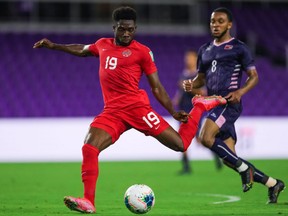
178	148
98	138
182	149
207	141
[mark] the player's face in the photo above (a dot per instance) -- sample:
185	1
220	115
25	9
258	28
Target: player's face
124	31
219	25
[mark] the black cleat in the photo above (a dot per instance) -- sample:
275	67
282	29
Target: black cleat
247	179
273	192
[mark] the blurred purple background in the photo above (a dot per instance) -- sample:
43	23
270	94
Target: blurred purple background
45	83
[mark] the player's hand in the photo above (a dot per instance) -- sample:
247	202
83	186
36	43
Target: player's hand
233	97
44	43
187	85
181	116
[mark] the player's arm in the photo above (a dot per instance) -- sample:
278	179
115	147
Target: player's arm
251	82
191	85
162	96
74	49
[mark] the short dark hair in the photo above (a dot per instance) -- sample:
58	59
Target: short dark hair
124	13
226	11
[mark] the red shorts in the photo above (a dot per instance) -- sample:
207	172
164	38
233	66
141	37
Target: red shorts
143	119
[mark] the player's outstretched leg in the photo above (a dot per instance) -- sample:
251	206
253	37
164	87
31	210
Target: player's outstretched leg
208	102
273	192
82	205
200	104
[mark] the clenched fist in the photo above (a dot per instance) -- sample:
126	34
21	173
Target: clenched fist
187	85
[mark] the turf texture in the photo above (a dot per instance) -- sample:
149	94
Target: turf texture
30	189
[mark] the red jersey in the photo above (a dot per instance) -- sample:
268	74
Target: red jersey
121	68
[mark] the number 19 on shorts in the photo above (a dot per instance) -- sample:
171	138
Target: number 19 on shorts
151	119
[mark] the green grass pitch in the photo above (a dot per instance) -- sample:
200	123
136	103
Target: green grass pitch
37	189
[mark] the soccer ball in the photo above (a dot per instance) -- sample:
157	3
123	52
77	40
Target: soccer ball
139	198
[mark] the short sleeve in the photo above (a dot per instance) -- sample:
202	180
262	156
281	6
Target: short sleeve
93	48
247	58
148	64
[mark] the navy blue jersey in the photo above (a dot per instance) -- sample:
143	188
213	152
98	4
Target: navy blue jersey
223	65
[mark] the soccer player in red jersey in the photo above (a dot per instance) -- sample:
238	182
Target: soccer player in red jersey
220	65
123	61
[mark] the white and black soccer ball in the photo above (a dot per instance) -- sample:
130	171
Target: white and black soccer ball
139	198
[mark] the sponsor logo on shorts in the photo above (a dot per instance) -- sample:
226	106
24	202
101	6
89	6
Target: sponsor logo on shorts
156	128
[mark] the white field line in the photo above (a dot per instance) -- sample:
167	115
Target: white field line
227	198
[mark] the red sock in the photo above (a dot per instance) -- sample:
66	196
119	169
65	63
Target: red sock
188	130
90	171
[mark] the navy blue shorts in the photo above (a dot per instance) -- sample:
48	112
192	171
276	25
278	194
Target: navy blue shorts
225	117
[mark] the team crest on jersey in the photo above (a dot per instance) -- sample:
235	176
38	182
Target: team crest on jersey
228	47
126	53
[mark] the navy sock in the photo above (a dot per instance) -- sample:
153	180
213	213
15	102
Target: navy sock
186	163
222	150
259	176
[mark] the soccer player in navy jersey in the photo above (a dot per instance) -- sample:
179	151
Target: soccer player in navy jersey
123	61
220	66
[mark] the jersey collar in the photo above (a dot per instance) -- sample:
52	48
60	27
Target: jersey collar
215	44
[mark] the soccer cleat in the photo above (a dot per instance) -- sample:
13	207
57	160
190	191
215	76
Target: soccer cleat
247	179
273	192
82	205
208	102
